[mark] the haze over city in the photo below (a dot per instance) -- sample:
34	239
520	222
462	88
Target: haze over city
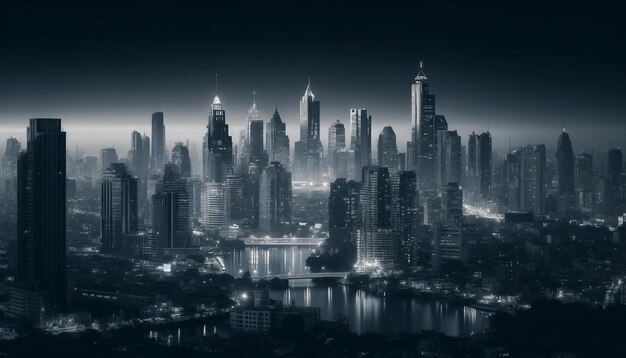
294	179
524	73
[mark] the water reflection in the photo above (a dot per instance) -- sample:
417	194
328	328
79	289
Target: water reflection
366	312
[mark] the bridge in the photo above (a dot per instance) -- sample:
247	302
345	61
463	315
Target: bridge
304	276
283	241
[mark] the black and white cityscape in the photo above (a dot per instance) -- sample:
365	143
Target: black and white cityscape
358	179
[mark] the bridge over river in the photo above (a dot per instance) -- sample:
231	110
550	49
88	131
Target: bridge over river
303	276
283	241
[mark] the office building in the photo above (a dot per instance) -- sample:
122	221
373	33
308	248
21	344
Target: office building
343	212
119	210
565	171
423	131
377	241
171	210
107	157
308	150
336	142
180	157
157	158
274	199
277	141
218	146
388	150
213	210
41	208
448	158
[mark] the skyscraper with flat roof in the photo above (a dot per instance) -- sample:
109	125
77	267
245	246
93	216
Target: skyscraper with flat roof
119	210
41	207
157	158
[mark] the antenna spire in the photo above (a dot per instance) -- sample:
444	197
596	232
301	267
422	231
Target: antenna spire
253	97
216	83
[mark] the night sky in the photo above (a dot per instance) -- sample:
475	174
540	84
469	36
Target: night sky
523	68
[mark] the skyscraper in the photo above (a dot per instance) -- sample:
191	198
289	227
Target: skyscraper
388	150
277	141
9	167
565	171
157	159
180	157
254	152
274	199
448	158
532	181
361	136
239	208
336	142
343	212
41	207
423	131
171	210
406	218
213	206
449	245
107	157
584	181
119	210
484	163
377	241
308	149
613	197
218	145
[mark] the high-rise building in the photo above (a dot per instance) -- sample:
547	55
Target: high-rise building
388	150
41	208
119	210
157	159
532	180
171	210
423	131
108	156
274	199
254	152
180	157
613	197
9	167
512	181
406	217
484	163
343	212
213	206
452	205
308	150
377	241
239	208
361	136
448	158
584	181
565	171
218	145
336	142
277	141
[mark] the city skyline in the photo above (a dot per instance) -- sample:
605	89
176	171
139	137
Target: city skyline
328	179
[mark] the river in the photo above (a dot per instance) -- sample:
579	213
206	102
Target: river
366	312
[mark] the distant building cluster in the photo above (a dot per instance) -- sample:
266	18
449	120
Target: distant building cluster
398	210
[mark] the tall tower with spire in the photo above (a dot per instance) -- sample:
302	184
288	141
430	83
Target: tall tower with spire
218	145
254	152
308	149
423	131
